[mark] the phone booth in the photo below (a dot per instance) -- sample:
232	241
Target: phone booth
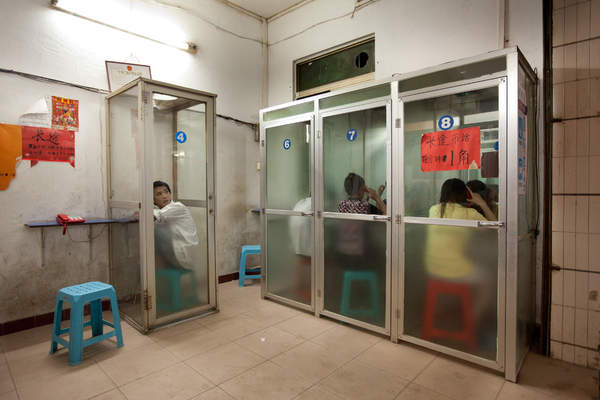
408	207
160	160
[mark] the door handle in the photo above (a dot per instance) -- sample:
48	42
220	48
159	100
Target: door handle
381	218
490	224
307	214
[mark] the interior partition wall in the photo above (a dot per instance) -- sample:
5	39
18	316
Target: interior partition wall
162	266
415	262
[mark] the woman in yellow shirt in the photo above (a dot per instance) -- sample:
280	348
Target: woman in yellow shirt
447	247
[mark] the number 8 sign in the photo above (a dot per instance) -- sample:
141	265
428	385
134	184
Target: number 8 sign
446	122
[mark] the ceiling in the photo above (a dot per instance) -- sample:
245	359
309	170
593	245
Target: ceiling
265	8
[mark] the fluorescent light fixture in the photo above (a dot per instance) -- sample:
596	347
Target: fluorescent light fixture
100	15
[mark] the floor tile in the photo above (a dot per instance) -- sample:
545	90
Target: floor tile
417	392
77	385
511	391
306	326
347	340
179	382
9	396
27	370
311	360
399	359
359	381
6	382
460	380
164	334
268	381
269	342
213	394
129	366
235	328
114	394
557	378
318	392
224	362
187	345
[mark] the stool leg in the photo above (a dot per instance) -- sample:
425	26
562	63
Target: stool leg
242	268
76	334
375	302
346	294
116	319
430	302
56	325
175	286
96	317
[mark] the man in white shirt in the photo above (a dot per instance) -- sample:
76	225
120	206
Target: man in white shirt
174	230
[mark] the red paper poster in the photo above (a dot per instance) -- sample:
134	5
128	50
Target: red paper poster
451	150
48	144
65	113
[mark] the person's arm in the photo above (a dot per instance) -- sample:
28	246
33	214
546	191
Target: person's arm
481	203
380	204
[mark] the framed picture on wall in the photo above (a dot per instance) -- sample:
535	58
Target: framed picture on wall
120	73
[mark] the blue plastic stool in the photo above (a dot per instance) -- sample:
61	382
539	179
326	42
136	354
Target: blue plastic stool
173	277
249	249
363	276
78	296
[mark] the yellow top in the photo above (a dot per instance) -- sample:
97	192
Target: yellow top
447	246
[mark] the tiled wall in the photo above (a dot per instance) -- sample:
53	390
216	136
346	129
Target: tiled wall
575	310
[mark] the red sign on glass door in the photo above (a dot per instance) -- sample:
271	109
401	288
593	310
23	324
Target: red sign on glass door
451	150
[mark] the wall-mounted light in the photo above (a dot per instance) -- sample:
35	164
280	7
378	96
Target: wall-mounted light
77	9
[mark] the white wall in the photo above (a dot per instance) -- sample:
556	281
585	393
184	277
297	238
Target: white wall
39	40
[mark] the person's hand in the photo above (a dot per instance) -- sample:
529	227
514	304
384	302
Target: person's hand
135	216
380	190
476	199
372	193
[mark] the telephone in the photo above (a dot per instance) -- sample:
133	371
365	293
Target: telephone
64	220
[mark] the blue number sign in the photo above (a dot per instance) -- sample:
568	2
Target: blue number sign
446	122
351	135
287	143
181	137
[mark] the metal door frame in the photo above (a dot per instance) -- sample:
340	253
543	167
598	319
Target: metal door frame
398	211
147	88
306	118
321	214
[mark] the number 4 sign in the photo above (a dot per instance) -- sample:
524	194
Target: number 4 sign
181	137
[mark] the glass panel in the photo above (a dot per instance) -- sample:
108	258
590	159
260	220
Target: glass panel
433	155
525	296
125	264
288	165
289	242
455	74
290	111
355	269
450	287
527	156
125	146
349	62
372	92
181	223
355	143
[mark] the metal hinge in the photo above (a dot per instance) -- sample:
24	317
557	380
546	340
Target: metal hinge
398	218
398	122
147	300
318	292
318	214
262	143
318	134
397	313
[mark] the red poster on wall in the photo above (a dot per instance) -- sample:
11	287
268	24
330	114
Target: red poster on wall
65	113
451	150
47	144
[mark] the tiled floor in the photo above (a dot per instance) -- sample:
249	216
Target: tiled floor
257	349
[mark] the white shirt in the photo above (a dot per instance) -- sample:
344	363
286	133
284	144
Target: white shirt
175	235
301	229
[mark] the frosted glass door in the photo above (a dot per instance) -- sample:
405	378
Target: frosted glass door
453	220
289	212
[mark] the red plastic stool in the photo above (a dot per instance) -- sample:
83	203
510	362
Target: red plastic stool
463	291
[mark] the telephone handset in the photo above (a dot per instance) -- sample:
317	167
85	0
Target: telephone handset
64	220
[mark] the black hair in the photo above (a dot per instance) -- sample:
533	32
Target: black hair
353	184
453	191
479	187
161	183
